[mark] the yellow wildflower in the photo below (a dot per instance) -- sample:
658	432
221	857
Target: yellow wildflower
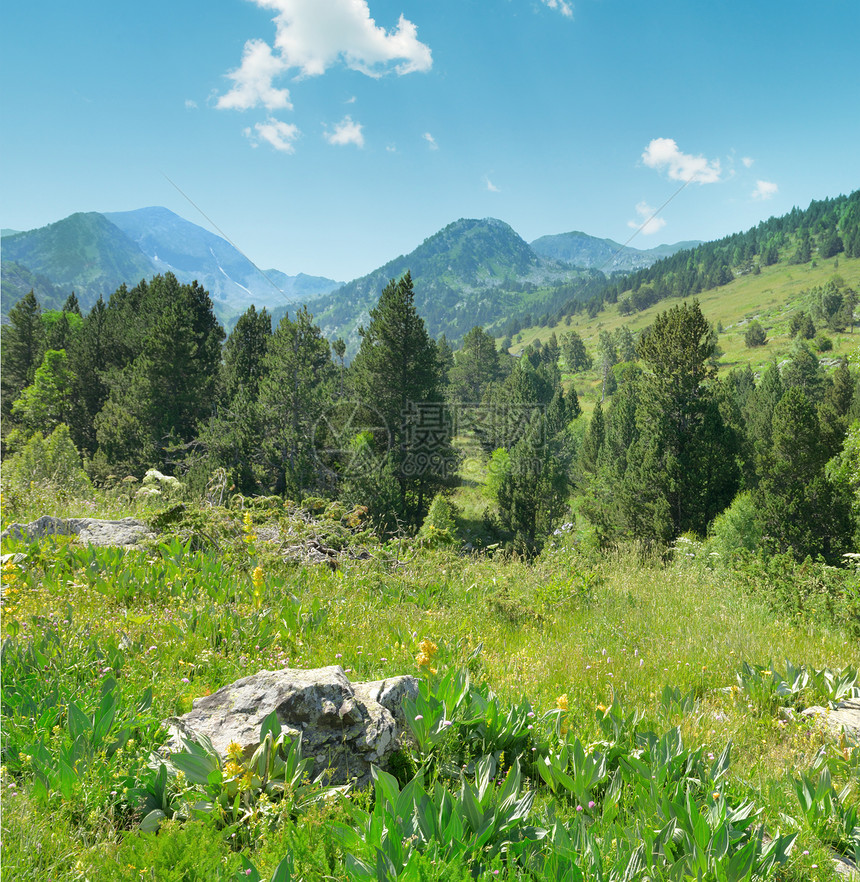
562	702
233	769
427	649
601	707
258	578
235	751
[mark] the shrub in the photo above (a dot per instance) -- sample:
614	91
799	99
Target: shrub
755	335
438	527
52	462
736	530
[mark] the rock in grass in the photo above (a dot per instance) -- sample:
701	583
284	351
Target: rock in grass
345	727
844	717
90	531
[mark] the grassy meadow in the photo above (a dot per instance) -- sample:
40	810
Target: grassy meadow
771	298
583	716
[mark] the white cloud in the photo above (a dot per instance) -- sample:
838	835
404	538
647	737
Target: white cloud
747	161
647	223
313	35
190	104
253	81
346	132
561	5
664	153
765	190
491	186
430	140
275	132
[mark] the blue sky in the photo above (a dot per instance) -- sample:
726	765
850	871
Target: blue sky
329	136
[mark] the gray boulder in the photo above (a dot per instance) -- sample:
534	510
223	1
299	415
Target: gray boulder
344	727
845	717
91	531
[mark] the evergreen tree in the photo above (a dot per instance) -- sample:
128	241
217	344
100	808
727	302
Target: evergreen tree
88	362
683	470
625	344
244	354
23	343
339	349
71	304
755	335
397	371
593	442
476	365
233	436
833	410
607	358
532	493
296	392
800	509
46	404
575	355
802	370
159	398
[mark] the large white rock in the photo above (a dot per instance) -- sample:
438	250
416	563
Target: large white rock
345	728
91	531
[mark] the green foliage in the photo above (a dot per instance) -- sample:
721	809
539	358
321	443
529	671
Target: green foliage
678	470
398	378
736	530
47	403
755	335
51	462
439	527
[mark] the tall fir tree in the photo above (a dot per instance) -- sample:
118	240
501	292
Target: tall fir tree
23	345
295	394
682	468
397	372
800	508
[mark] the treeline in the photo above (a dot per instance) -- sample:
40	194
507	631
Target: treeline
827	228
148	380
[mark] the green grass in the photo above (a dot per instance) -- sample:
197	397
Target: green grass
770	297
598	629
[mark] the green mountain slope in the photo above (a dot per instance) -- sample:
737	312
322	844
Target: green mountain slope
85	252
471	272
16	281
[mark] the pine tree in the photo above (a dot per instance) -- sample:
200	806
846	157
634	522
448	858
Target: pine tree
232	437
532	493
295	393
397	372
593	442
159	398
800	508
833	410
46	403
683	469
575	355
476	365
23	345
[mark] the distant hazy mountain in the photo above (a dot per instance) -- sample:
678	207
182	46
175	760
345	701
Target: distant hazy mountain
471	272
580	249
191	252
93	254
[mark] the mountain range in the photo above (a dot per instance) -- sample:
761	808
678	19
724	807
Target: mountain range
471	272
93	254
